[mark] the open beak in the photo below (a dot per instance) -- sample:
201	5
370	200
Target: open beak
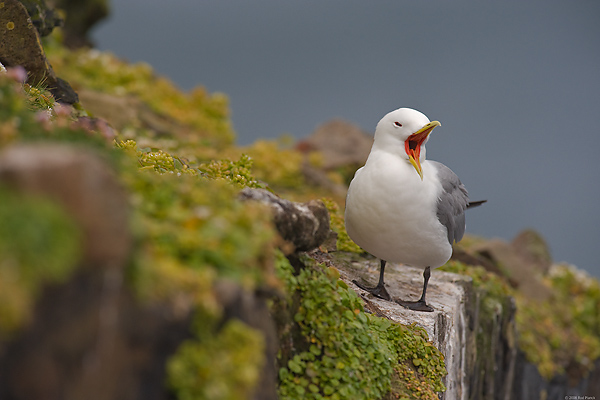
413	145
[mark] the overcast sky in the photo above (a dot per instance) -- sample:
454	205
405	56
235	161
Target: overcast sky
516	85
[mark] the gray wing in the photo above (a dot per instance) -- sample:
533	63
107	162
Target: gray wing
452	203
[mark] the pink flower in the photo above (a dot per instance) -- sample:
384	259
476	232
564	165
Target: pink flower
17	73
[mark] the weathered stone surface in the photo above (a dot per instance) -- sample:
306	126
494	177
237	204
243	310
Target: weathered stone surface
81	182
447	326
340	142
20	45
305	225
477	335
90	339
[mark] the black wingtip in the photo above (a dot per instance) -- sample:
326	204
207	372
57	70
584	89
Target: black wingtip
475	203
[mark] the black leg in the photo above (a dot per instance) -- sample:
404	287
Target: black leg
426	276
419	305
379	290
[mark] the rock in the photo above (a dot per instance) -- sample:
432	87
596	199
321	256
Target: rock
44	18
517	268
91	339
119	110
475	259
20	45
86	187
252	309
318	177
476	333
82	15
531	385
452	326
129	111
341	143
305	225
532	248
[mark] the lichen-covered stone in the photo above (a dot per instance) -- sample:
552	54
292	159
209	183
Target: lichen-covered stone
305	225
20	45
44	18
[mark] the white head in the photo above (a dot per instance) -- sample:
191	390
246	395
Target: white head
404	132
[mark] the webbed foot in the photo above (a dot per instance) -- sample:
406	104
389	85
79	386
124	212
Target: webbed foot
377	291
415	305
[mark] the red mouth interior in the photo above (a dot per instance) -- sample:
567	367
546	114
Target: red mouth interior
414	142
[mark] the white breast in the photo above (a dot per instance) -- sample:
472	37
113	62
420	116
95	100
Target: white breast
391	212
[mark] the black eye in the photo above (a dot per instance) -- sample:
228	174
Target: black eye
398	124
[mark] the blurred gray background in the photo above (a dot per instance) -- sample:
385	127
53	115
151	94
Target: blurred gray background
516	85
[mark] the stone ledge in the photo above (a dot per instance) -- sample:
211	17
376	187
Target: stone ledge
446	325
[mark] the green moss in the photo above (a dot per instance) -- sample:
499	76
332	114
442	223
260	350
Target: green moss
561	333
39	244
281	168
194	227
189	231
237	172
217	365
357	358
344	243
489	284
207	114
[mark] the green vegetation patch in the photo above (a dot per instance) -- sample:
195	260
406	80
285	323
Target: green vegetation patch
39	244
336	214
340	352
561	334
207	114
217	365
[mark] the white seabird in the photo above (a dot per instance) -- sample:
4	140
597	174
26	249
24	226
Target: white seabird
402	208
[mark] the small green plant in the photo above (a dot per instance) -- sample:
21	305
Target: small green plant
343	352
236	172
